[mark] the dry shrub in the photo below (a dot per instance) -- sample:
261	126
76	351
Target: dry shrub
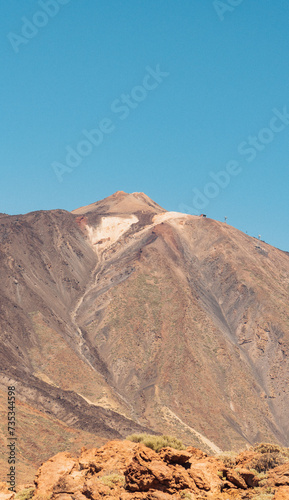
186	495
228	458
272	455
267	461
112	480
156	443
25	494
267	448
272	448
263	496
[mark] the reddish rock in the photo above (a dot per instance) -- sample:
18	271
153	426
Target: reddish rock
99	473
55	470
95	490
172	456
280	475
282	493
234	477
151	495
205	475
147	471
245	458
113	455
5	494
195	453
249	477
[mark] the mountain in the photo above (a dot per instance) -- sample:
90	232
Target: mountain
121	317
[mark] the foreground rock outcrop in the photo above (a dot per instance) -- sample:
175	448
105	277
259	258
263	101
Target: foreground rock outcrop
129	471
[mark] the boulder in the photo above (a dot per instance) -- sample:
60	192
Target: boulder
172	456
245	458
279	476
195	453
249	477
5	494
113	455
55	470
235	478
282	493
130	471
147	471
143	474
205	476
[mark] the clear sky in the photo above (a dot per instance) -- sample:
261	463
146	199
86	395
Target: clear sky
187	101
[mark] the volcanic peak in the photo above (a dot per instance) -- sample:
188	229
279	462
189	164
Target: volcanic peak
122	203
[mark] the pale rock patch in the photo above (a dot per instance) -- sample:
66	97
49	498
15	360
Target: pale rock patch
109	231
157	219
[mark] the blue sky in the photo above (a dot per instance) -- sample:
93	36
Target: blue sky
186	101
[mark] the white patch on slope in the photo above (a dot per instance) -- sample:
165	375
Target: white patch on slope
210	444
157	219
109	231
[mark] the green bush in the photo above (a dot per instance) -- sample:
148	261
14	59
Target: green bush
26	494
156	443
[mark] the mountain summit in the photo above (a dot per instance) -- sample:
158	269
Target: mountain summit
122	203
122	317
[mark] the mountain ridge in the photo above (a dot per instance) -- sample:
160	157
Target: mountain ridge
148	320
122	202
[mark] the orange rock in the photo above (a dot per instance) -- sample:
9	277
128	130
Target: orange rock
205	476
113	455
147	471
148	475
5	494
62	496
95	490
72	482
234	477
249	477
282	493
53	471
195	453
280	475
151	495
245	457
145	477
172	456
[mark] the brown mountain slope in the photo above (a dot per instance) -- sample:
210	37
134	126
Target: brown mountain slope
121	316
122	203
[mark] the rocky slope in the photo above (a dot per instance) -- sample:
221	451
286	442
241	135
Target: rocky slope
122	317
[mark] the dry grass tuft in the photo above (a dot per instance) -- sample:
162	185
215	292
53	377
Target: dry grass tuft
112	480
156	443
228	458
25	494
